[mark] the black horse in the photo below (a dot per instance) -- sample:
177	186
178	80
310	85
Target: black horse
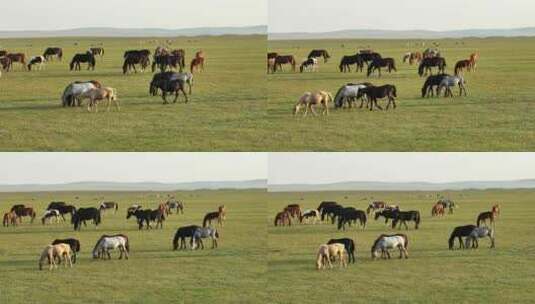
168	82
65	209
147	216
140	53
432	81
73	243
368	57
349	245
460	232
88	58
331	212
427	63
55	205
167	61
325	204
52	52
83	214
319	53
350	214
379	63
402	217
386	91
387	214
348	61
182	233
131	60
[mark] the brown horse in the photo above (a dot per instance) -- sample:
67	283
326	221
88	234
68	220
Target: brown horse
9	218
461	65
484	216
294	210
437	210
17	57
474	57
219	215
197	64
6	63
21	211
412	57
496	210
282	218
287	59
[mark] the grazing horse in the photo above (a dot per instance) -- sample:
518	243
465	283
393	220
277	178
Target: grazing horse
210	216
319	53
286	59
432	81
484	216
327	252
97	51
132	59
385	242
9	218
202	233
99	94
61	251
174	204
369	56
22	211
348	93
36	60
71	94
83	58
460	232
138	53
403	216
109	205
428	62
311	64
163	62
168	82
111	242
437	210
412	57
282	218
148	216
450	81
182	233
387	213
50	215
310	100
477	233
310	214
460	65
350	214
348	61
325	204
331	212
474	57
73	243
294	210
379	63
53	52
386	91
17	57
83	214
447	203
349	246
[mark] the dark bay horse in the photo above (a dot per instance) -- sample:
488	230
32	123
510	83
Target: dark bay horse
146	216
17	57
53	52
379	63
282	218
348	61
132	59
331	212
318	54
22	211
350	214
349	245
369	56
83	58
386	91
402	217
211	216
427	63
286	59
83	214
460	232
387	214
484	216
461	65
325	204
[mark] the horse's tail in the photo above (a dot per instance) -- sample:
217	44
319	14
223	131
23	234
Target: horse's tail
60	54
457	68
127	243
338	98
417	219
451	240
406	241
175	241
364	219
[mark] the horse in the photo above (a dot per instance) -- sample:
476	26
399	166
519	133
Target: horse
168	82
210	216
98	94
387	214
71	94
496	210
132	59
437	210
167	61
137	53
73	243
369	56
148	216
385	242
109	205
181	234
447	203
314	54
282	218
64	209
326	252
197	64
287	59
6	63
349	246
202	233
430	82
477	233
460	232
50	215
403	216
460	65
386	91
83	58
311	64
133	208
294	210
53	52
347	215
17	57
36	60
348	61
97	51
10	218
310	213
451	81
331	211
428	62
412	57
174	204
61	251
84	214
484	216
325	204
379	63
474	57
310	100
349	92
22	211
374	206
111	242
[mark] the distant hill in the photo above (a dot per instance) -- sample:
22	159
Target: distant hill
408	186
405	34
142	32
144	186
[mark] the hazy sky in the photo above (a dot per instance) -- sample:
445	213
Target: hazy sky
318	168
172	14
323	16
44	168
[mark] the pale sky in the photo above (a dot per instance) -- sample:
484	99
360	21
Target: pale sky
53	168
322	168
331	15
169	14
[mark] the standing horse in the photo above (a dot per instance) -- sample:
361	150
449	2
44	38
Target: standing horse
379	63
386	91
181	234
22	211
109	205
83	214
83	58
484	216
97	51
474	57
350	214
451	81
71	94
135	58
53	52
325	204
146	216
427	63
402	217
174	204
282	218
111	242
460	232
209	217
496	210
319	53
432	81
477	233
331	212
385	242
461	65
349	246
202	233
348	61
17	57
287	59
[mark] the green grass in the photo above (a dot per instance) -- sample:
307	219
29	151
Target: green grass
497	115
233	273
432	274
224	113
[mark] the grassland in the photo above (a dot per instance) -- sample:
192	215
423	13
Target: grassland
432	274
224	113
233	273
497	115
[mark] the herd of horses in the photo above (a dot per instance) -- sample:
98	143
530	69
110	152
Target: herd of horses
65	251
344	249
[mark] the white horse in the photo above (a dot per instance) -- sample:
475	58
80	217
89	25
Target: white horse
107	243
310	213
477	233
73	91
204	232
386	242
450	81
50	215
348	92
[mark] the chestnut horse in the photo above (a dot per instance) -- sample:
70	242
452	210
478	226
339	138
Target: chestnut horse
412	57
17	57
21	211
474	57
287	59
9	218
282	218
197	64
437	210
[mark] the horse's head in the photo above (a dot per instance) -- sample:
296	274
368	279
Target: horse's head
374	251
378	214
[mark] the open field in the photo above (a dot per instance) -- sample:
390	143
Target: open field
432	274
497	115
223	114
154	273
